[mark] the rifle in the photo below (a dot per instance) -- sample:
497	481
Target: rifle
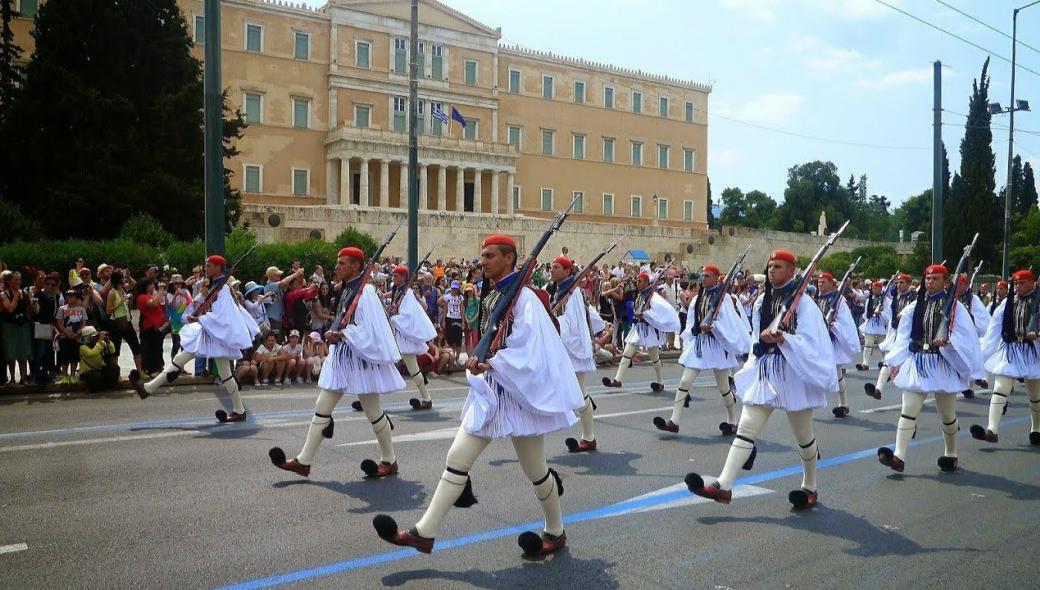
842	287
971	283
562	294
652	289
349	303
491	339
715	305
219	282
412	275
787	309
948	306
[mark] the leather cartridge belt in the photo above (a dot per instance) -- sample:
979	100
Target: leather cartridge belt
925	347
762	349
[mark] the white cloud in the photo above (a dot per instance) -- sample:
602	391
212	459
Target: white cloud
723	157
758	9
834	59
774	108
899	78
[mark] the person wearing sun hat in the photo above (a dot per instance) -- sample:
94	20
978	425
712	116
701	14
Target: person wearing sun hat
1011	349
361	362
925	361
844	336
220	333
523	391
898	295
413	330
790	370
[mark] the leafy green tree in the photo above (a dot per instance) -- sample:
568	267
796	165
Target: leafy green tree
754	209
711	214
914	214
10	72
359	239
811	188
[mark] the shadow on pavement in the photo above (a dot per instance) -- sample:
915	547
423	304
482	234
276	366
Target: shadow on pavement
557	571
400	496
1014	489
599	463
871	541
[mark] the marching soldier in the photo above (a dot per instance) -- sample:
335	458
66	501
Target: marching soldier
655	318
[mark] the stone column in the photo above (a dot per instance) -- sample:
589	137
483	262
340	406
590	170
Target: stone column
344	181
404	185
364	201
384	183
423	204
460	190
510	184
477	177
331	194
442	188
494	191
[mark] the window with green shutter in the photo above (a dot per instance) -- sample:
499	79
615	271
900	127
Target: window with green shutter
637	206
514	136
252	179
579	202
516	196
547	86
400	115
470	130
200	30
363	50
637	101
301	180
608	149
579	92
608	204
687	210
663	108
662	156
302	45
662	208
437	63
401	56
253	108
548	139
514	81
28	8
637	154
688	160
254	38
689	112
608	97
547	199
362	116
301	112
579	147
471	72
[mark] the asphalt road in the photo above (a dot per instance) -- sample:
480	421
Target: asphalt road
115	492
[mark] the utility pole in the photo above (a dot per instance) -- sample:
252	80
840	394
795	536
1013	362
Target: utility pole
937	165
213	143
413	143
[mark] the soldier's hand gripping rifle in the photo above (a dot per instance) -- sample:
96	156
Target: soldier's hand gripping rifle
218	283
949	302
348	304
715	305
395	304
785	316
503	310
569	286
842	287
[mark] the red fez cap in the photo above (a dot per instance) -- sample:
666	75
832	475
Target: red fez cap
217	259
712	268
499	240
785	255
1002	284
827	277
904	277
1023	275
937	269
877	284
352	252
564	262
401	270
644	276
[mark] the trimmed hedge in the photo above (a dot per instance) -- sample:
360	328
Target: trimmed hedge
183	256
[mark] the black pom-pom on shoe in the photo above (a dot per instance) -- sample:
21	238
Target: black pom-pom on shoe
968	394
357	406
727	429
386	527
467	498
221	416
369	466
1034	438
572	444
948	464
277	455
656	387
530	543
415	403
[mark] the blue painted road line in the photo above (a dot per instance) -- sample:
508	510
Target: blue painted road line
593	514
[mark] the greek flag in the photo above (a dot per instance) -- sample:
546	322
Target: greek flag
439	114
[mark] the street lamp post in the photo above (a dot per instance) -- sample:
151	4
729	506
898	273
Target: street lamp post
1011	140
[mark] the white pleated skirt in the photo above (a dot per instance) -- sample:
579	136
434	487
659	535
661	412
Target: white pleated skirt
410	345
929	373
1018	360
346	372
769	381
582	365
875	326
705	352
643	334
508	415
200	343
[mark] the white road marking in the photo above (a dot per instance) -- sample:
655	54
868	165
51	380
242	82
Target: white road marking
13	548
892	407
738	492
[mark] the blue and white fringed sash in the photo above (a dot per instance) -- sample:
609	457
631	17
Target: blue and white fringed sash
707	340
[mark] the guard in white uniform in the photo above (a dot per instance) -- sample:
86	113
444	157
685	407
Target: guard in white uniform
927	361
710	345
979	316
652	325
414	330
576	332
524	391
844	337
220	333
1011	352
361	362
897	298
876	319
791	370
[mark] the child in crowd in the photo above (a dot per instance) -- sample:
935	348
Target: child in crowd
72	318
294	365
314	352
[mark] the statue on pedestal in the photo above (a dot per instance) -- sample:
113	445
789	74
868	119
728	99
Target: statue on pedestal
822	229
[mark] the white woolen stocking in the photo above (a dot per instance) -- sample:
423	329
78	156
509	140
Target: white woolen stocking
585	413
729	400
626	362
843	396
179	361
752	419
412	364
327	401
461	456
912	404
380	425
882	378
1033	391
531	454
685	382
655	359
226	375
946	404
808	450
1001	392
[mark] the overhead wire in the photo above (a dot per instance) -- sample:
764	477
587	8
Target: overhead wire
988	26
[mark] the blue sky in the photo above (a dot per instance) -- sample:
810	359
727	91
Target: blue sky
843	70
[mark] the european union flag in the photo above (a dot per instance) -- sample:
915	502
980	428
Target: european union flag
457	116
